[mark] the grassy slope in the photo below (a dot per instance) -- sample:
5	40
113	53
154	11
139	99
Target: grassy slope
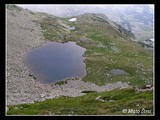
128	58
100	55
100	59
87	105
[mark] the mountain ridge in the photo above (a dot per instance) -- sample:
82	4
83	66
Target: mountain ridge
139	19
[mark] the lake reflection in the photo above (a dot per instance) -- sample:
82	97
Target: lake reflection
56	61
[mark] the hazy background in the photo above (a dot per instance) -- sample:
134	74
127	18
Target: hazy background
137	18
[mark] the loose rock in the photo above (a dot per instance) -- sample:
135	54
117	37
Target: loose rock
111	100
118	72
7	109
97	98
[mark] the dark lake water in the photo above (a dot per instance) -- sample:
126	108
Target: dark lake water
56	61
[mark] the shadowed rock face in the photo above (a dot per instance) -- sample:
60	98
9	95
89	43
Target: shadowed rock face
147	43
118	72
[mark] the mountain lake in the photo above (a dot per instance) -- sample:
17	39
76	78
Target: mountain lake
55	61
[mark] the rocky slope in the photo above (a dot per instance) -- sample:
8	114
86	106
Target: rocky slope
24	33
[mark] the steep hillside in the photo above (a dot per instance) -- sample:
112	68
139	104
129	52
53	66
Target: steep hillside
137	18
118	69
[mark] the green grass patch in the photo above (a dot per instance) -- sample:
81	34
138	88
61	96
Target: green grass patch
61	82
13	7
88	105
